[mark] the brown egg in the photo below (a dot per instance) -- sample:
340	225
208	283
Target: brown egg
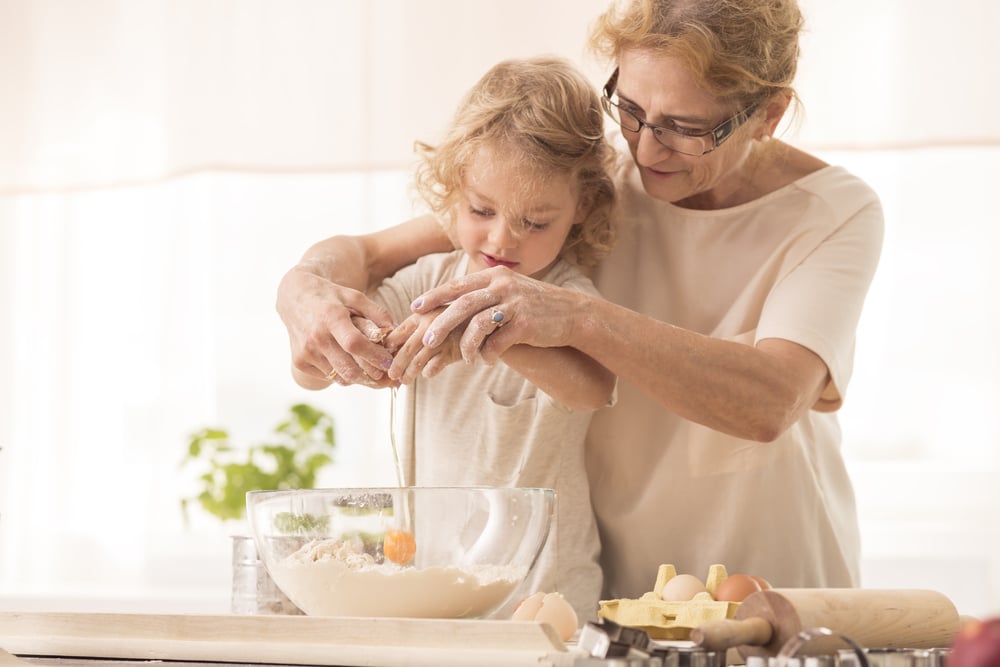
736	587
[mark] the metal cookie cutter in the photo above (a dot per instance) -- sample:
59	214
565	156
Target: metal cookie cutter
607	639
612	645
691	656
787	655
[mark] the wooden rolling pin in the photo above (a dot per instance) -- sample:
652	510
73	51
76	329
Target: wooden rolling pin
872	618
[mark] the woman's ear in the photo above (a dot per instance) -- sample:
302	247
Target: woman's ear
774	110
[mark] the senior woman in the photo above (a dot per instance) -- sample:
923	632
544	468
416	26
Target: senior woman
732	303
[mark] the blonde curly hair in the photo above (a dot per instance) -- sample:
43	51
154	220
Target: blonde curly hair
542	115
744	51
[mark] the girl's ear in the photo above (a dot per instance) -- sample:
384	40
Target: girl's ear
582	210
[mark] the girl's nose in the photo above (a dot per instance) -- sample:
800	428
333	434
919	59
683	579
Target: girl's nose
501	235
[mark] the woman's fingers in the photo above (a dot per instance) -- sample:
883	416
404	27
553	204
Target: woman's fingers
483	326
464	298
443	295
489	311
333	349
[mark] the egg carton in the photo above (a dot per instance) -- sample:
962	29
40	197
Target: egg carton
665	620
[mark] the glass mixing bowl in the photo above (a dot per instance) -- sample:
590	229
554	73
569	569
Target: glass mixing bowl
417	552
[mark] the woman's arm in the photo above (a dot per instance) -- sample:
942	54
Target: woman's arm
754	393
317	297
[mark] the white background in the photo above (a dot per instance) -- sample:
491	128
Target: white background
163	162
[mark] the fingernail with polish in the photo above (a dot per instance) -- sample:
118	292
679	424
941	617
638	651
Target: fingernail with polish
429	338
386	364
419	301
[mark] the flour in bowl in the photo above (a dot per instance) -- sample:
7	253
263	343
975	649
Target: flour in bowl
337	578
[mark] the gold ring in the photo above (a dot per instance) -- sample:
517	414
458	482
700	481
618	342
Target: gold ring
331	376
497	317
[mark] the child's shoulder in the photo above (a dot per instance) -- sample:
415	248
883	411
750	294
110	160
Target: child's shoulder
437	267
571	276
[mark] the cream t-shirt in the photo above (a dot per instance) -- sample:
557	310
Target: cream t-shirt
795	264
478	425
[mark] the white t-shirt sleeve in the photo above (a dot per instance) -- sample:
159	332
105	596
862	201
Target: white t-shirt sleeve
818	304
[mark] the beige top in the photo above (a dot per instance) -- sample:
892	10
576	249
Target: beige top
476	425
795	264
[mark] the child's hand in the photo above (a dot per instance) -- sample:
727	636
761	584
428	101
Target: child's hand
411	356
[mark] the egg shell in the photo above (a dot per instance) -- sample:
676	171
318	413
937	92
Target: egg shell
558	613
764	583
682	588
527	608
551	608
736	588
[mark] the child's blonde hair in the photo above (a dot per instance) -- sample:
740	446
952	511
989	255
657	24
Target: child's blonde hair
542	115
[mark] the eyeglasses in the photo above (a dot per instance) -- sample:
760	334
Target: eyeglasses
688	142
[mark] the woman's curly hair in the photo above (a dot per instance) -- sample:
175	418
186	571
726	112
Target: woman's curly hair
744	51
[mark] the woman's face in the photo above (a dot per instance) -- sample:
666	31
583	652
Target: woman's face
502	223
662	91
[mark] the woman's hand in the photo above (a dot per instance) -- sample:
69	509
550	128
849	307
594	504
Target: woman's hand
318	297
533	313
326	345
530	324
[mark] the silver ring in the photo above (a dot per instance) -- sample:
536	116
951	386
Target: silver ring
497	317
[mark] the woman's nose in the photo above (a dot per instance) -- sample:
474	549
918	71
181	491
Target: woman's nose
648	149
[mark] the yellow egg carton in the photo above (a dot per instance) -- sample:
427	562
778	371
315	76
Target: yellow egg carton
670	620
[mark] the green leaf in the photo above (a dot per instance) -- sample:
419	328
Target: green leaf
286	522
303	447
308	416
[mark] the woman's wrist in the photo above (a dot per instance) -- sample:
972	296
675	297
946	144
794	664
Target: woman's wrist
584	319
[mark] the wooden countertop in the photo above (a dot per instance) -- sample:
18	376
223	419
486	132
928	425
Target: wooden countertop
280	640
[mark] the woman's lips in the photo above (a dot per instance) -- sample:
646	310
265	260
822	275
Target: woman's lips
659	174
492	261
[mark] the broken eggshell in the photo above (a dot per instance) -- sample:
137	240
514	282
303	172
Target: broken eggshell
551	608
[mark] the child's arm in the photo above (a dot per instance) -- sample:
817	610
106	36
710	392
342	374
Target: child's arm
564	373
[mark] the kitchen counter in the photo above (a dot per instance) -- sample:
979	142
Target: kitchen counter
105	638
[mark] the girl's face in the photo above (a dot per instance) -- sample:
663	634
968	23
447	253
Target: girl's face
662	91
498	223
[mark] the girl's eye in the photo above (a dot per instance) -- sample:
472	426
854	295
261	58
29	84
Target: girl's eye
481	212
535	226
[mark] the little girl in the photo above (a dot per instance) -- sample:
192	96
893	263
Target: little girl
521	183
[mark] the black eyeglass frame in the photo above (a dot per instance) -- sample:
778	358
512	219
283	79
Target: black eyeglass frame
719	133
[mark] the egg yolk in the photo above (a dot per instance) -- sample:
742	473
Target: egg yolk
399	546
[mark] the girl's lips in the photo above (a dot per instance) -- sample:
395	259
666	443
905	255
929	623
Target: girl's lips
492	261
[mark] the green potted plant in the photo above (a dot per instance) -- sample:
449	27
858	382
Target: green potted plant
302	445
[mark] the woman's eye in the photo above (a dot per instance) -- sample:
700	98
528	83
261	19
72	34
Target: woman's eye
481	212
632	109
691	131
